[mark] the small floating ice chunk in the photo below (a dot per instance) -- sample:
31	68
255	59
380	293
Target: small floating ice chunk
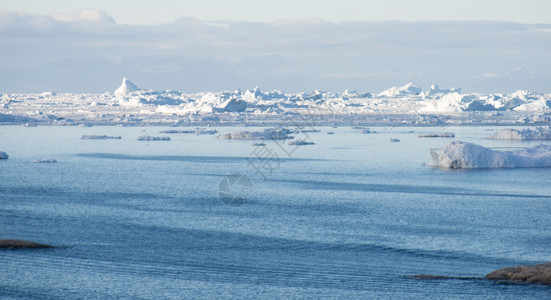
171	131
153	138
267	134
367	131
45	161
444	135
392	140
301	143
3	155
100	137
462	155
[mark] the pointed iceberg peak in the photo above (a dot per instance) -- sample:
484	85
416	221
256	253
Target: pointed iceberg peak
407	89
126	87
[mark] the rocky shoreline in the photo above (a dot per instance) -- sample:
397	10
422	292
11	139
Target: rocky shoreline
540	274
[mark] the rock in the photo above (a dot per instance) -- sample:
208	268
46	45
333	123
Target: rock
20	244
3	155
530	274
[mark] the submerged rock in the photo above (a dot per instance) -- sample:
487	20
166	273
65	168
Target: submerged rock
530	274
20	244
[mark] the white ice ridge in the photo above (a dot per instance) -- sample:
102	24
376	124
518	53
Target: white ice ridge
462	155
408	104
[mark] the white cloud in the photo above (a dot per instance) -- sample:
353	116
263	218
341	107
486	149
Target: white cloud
85	15
292	55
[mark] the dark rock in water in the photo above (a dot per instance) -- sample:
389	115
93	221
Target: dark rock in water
530	274
20	244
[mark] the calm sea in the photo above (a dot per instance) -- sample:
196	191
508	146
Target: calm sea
349	217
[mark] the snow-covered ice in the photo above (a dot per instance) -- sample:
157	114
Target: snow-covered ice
407	104
462	155
538	133
126	87
266	134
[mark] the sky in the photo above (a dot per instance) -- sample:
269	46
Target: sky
208	45
162	11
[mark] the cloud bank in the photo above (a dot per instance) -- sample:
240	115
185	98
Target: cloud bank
89	52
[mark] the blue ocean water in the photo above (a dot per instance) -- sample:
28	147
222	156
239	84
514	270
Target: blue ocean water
352	216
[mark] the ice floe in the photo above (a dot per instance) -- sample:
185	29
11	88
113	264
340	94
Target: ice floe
462	155
538	133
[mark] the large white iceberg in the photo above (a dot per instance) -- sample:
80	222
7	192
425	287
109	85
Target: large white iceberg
126	87
538	133
408	89
462	155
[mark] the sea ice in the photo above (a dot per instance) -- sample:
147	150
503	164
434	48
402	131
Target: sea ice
153	138
431	135
539	133
267	134
462	155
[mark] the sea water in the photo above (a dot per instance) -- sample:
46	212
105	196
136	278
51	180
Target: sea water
352	216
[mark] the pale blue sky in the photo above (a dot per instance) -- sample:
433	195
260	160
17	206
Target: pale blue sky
88	46
163	11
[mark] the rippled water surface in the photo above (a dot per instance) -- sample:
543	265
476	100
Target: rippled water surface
350	217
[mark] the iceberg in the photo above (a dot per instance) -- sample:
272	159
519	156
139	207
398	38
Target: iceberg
3	155
408	89
126	87
539	133
462	155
